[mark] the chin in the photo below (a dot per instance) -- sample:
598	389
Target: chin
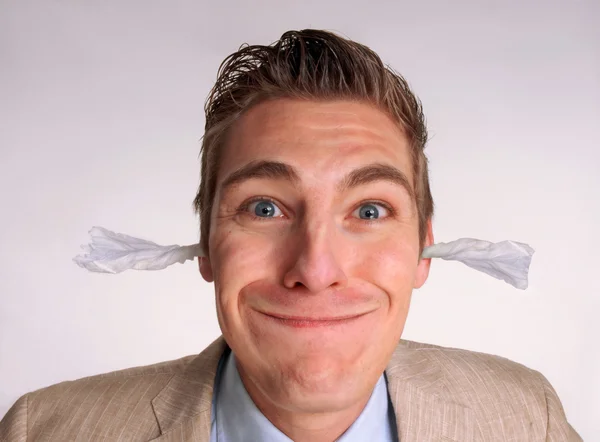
319	394
321	381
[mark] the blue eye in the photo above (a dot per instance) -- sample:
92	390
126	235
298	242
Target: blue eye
370	211
264	209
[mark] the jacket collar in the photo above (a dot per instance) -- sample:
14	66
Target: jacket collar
416	384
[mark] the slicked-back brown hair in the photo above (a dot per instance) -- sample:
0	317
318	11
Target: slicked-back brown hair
309	65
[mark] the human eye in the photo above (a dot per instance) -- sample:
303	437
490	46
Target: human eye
261	208
372	210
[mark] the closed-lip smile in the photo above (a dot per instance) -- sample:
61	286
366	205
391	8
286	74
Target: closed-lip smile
310	322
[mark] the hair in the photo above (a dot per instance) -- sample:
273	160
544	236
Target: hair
310	65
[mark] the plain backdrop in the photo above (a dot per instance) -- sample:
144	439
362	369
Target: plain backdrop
101	113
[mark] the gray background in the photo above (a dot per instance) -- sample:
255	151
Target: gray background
100	118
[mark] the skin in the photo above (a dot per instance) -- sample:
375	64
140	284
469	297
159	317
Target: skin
314	256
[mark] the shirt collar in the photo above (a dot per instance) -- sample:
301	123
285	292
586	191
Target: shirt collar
238	419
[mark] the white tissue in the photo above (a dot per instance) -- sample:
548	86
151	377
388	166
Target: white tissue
506	260
111	252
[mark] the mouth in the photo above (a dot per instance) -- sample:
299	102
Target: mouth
305	322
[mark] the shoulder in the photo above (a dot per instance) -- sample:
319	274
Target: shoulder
506	397
103	384
472	375
458	364
110	402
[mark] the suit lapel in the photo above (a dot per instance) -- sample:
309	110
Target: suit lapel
423	411
183	407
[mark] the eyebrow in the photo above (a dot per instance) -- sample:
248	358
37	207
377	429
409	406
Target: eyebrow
262	169
282	171
377	172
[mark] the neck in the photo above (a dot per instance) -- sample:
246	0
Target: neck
304	427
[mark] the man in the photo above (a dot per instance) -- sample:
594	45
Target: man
315	208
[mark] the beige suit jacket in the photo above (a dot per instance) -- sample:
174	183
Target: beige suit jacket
438	394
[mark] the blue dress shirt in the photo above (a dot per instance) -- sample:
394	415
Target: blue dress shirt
235	417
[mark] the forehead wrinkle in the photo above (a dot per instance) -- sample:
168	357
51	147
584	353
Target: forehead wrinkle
322	117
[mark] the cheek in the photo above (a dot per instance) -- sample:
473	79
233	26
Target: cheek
391	266
238	259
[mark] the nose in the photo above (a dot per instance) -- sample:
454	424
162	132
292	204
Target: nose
316	264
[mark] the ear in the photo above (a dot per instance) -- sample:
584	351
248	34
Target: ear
424	264
205	269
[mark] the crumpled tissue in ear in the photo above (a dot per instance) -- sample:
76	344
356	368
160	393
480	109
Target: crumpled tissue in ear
506	260
111	252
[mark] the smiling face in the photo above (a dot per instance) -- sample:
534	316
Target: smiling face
314	250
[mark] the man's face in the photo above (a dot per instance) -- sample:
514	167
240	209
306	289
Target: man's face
314	221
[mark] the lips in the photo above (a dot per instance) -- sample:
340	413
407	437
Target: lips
310	322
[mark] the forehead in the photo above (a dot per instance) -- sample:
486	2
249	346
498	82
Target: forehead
322	140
